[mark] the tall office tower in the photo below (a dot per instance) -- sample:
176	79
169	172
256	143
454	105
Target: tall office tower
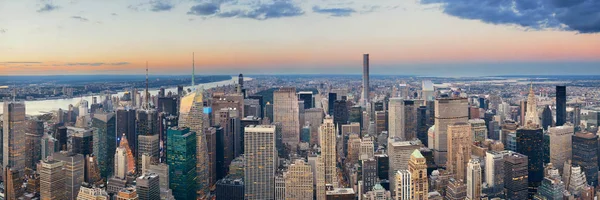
353	149
381	122
90	192
52	180
126	124
148	186
261	103
508	126
577	117
49	146
355	115
561	105
82	142
403	180
448	111
148	145
191	115
129	166
531	116
522	112
417	167
422	126
530	143
585	154
307	97
331	98
327	132
494	172
547	118
14	125
181	158
241	80
61	135
127	194
259	169
33	151
474	179
104	142
166	122
74	172
459	149
251	108
478	130
229	188
515	176
399	153
315	118
92	172
121	163
162	170
211	144
340	113
299	181
369	174
269	112
229	101
365	83
560	144
367	148
146	122
286	111
227	138
576	181
457	190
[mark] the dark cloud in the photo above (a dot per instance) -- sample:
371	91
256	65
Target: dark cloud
47	8
80	18
256	10
161	6
114	14
582	16
335	12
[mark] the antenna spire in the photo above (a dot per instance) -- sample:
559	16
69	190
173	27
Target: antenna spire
193	69
147	104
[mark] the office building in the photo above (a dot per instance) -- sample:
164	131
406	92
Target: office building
126	124
299	181
552	187
403	181
52	180
286	112
74	172
381	122
13	136
127	194
448	111
340	194
259	155
399	154
148	145
90	192
369	174
307	97
560	144
585	154
417	167
104	142
353	149
191	115
340	113
403	118
561	105
92	173
328	133
478	130
422	125
228	188
82	142
459	149
531	116
331	98
365	83
575	181
515	176
181	158
367	148
457	190
474	179
148	186
530	142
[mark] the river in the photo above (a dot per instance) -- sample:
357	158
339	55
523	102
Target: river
38	107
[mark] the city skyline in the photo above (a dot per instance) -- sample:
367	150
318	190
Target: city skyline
427	37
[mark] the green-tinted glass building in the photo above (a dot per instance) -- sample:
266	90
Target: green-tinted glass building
181	158
105	142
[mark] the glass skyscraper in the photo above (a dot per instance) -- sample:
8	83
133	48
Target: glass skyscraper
181	158
105	142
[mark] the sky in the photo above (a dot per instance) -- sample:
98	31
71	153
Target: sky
404	37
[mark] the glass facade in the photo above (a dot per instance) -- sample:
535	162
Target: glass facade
105	142
181	158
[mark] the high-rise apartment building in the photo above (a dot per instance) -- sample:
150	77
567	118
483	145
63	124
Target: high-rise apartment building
561	105
181	158
328	133
459	149
299	181
259	168
474	179
52	180
286	111
448	111
365	83
14	126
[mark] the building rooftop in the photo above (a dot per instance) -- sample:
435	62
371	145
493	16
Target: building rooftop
417	154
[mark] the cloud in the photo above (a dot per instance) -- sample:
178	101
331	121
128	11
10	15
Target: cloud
258	10
114	14
161	6
2	30
95	64
334	12
47	8
25	62
80	18
582	16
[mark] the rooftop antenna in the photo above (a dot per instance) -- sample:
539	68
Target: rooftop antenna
147	103
193	70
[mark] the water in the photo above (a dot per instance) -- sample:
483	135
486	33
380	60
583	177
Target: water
44	106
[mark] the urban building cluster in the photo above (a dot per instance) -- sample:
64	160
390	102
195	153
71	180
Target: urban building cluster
348	140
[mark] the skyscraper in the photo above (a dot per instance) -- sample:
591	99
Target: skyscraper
14	126
560	145
369	174
530	142
299	181
181	159
148	145
474	179
515	176
365	83
459	149
585	154
105	142
148	186
73	167
259	168
327	132
403	181
417	167
531	116
52	180
286	111
479	130
561	105
191	115
494	172
402	118
307	97
126	123
448	111
399	155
